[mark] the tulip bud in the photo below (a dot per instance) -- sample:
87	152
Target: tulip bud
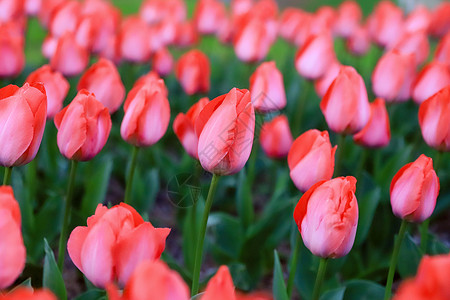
348	19
133	40
327	217
12	55
56	88
276	137
386	23
162	62
103	80
433	77
186	34
418	19
147	115
69	57
23	112
345	105
12	249
414	190
209	15
155	11
434	116
359	42
415	43
225	128
27	293
291	18
311	159
193	72
440	22
121	238
184	127
377	132
65	18
220	286
443	50
83	127
322	84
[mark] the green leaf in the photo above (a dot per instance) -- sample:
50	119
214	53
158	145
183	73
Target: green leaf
336	294
363	290
52	278
279	287
227	234
409	257
26	282
367	206
95	294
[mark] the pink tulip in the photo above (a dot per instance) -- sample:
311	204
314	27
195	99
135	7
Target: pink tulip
414	190
322	84
311	159
359	42
209	16
10	10
386	23
47	9
419	19
430	80
291	19
186	34
69	57
276	137
12	55
27	293
133	40
220	286
415	43
193	72
440	22
327	217
162	62
442	53
225	128
155	11
323	20
65	18
348	19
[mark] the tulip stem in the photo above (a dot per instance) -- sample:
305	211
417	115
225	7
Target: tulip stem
65	226
299	110
423	228
131	170
293	265
319	278
7	177
394	259
201	236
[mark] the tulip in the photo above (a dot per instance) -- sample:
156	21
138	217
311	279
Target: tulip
69	57
322	84
193	72
186	34
209	16
442	53
433	77
220	286
348	19
184	127
83	127
345	105
314	58
267	88
241	7
56	88
151	78
65	18
291	19
47	9
103	79
11	10
311	159
393	76
114	242
377	132
415	43
440	23
276	138
22	120
419	19
12	249
12	55
434	114
133	40
386	23
359	42
25	293
323	20
162	62
156	11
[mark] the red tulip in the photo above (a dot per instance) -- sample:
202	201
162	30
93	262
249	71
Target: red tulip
186	34
377	132
23	112
345	105
276	137
10	10
386	23
433	77
65	18
209	16
241	7
434	116
327	217
225	128
267	88
155	11
193	72
348	19
314	58
25	293
440	22
12	249
152	281
162	62
393	76
322	84
83	127
311	159
414	190
359	42
149	79
323	20
103	79
69	57
46	10
147	115
56	88
114	243
415	43
291	19
443	50
12	55
133	39
220	286
184	127
419	19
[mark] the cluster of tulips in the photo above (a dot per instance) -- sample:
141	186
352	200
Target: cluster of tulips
118	250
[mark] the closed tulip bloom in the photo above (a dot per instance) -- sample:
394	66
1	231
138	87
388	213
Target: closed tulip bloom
311	159
152	281
155	11
186	34
377	132
25	293
349	16
359	42
267	88
393	76
415	43
10	10
162	62
12	249
322	84
418	19
103	79
327	217
414	190
114	242
433	77
434	116
209	16
46	10
65	18
220	286
147	115
323	20
345	105
133	39
225	128
23	112
314	58
193	72
440	22
442	53
184	127
276	137
386	23
12	55
83	127
56	88
69	57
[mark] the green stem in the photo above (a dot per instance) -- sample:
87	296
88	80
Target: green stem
423	228
130	175
201	236
319	278
65	227
299	110
293	265
339	155
394	259
7	177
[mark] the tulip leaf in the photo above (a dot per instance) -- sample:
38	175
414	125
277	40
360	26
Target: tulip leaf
94	294
335	294
367	206
279	286
409	257
52	277
227	234
363	290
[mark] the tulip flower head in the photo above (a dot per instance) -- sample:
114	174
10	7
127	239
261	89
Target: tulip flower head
220	286
69	57
276	137
25	293
12	54
433	77
193	72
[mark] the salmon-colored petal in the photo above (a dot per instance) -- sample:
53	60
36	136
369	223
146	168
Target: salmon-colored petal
75	245
220	286
72	129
